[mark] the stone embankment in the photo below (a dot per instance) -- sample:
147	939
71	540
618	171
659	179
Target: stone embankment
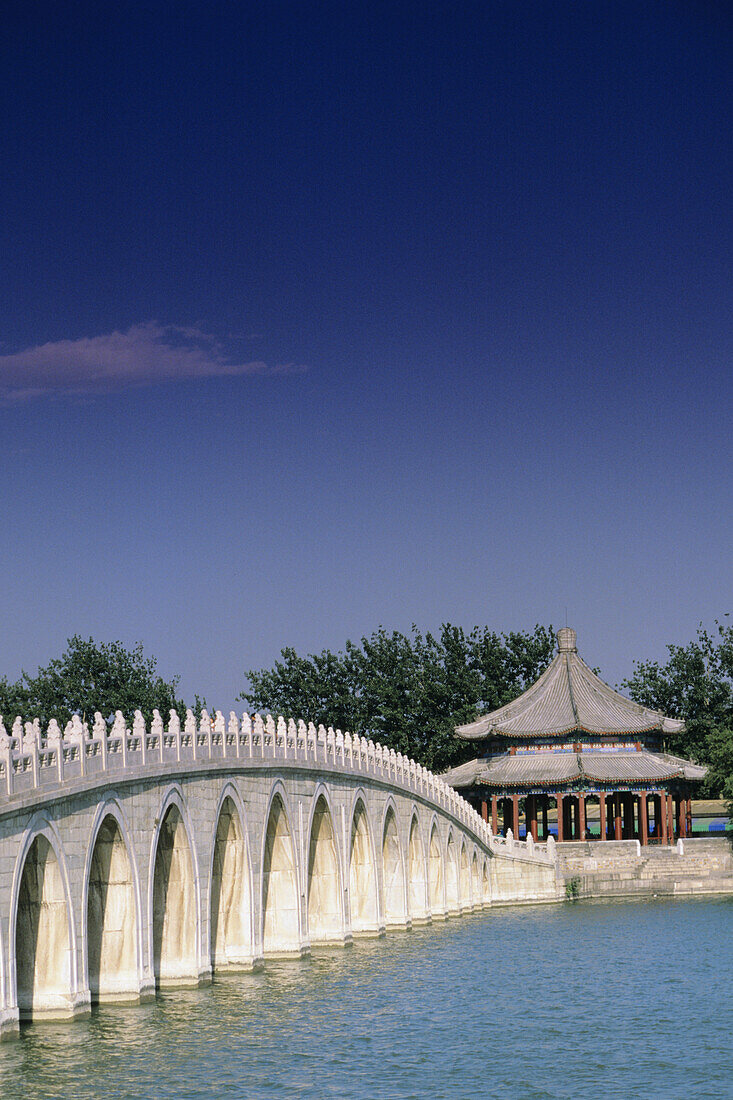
623	868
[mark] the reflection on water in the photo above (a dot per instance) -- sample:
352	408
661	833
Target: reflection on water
625	999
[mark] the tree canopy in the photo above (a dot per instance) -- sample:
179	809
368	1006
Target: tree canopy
407	691
89	677
696	684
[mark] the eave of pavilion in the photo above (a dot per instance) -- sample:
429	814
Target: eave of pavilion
528	773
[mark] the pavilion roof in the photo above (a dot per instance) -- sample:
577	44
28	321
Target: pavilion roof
568	696
558	769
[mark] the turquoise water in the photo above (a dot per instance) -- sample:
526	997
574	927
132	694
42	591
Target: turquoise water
599	1000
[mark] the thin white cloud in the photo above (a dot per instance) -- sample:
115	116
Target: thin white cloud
144	355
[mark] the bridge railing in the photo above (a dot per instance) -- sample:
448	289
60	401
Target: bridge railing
33	759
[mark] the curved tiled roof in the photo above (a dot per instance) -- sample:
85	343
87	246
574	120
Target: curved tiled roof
691	771
628	767
530	769
568	696
558	769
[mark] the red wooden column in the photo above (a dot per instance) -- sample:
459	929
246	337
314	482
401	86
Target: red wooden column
515	815
617	816
560	830
663	815
545	800
494	814
581	817
681	816
643	819
688	816
670	820
533	816
601	817
484	809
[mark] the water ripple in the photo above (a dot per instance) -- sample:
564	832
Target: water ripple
620	1000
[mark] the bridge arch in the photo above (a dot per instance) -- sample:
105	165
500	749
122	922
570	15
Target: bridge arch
231	927
486	884
363	889
436	872
43	967
111	907
393	870
174	892
452	899
464	879
324	882
52	871
475	881
281	912
417	877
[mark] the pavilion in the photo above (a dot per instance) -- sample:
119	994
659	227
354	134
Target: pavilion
572	739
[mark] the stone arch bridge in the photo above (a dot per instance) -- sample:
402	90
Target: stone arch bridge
138	857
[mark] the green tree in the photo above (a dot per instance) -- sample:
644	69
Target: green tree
720	761
406	691
696	684
89	677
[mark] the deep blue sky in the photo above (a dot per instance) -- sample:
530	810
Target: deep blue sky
319	317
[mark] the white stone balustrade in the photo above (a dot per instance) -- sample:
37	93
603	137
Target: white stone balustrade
136	855
31	760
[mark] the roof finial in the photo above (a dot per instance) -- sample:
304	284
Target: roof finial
567	640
